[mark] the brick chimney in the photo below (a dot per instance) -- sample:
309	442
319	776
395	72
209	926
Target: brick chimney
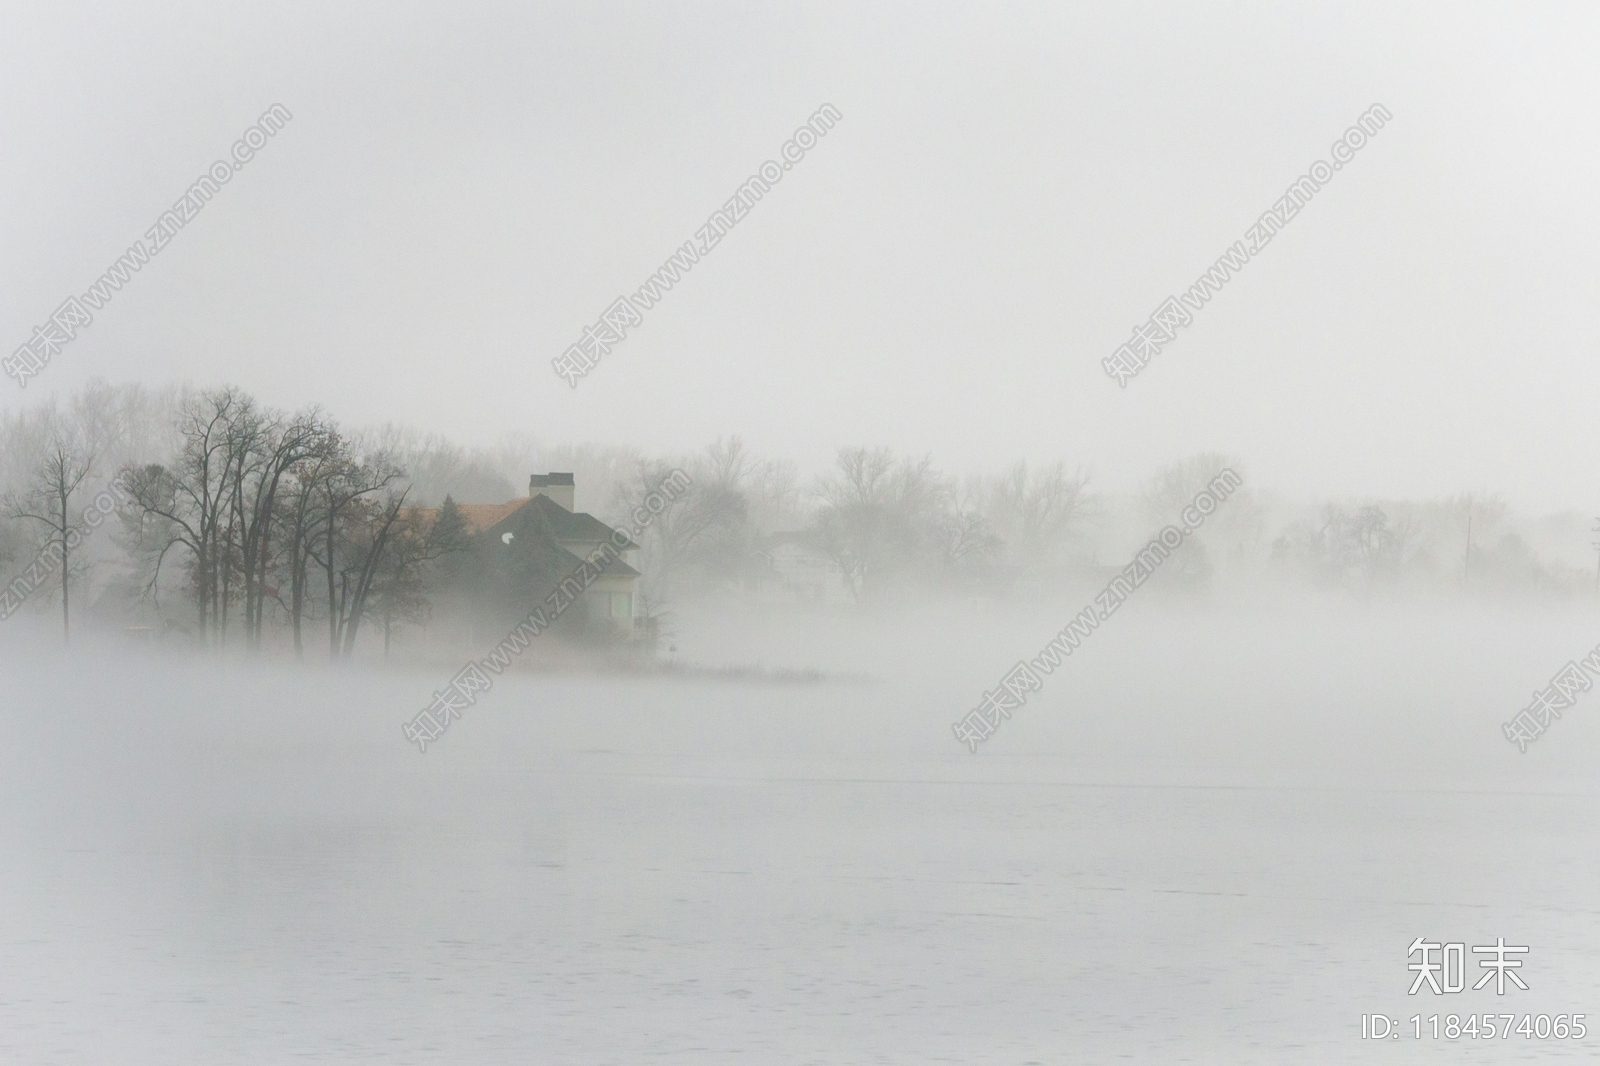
559	487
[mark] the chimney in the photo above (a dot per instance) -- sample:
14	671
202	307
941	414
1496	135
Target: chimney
558	487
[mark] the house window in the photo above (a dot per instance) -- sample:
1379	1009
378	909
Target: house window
621	605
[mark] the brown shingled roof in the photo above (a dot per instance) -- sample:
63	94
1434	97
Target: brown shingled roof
475	517
480	516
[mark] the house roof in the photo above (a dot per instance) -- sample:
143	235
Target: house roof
566	526
479	516
572	526
530	539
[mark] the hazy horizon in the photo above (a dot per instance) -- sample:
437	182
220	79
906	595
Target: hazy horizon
1009	190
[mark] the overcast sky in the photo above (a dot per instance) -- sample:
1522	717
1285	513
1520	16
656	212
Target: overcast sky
463	187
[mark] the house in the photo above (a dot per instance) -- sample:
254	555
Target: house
567	537
793	568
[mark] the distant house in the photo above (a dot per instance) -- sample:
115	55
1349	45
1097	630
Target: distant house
562	538
793	568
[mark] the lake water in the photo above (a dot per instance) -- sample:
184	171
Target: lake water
1209	839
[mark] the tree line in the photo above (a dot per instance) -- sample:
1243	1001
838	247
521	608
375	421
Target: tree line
234	519
253	509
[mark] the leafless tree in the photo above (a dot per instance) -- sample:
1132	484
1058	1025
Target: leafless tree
1036	513
965	538
48	501
186	505
701	530
882	520
775	496
1230	534
277	446
349	534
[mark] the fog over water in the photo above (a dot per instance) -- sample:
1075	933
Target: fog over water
1211	841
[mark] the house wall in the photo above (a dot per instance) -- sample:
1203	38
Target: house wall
585	548
612	598
796	574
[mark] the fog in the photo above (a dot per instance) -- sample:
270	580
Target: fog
1210	842
821	534
462	188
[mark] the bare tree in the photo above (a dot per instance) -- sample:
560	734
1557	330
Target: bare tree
775	496
48	501
966	539
277	448
882	520
186	505
702	532
301	519
350	536
1037	513
1230	535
